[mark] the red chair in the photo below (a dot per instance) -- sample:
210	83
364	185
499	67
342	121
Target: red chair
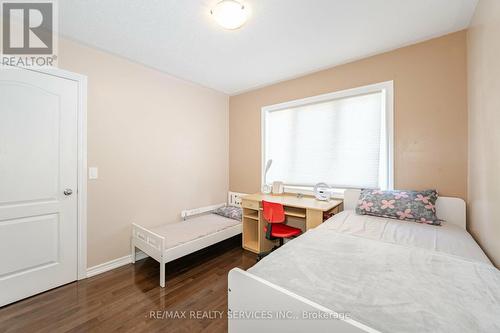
274	214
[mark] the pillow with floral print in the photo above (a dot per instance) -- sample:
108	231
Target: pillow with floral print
417	206
231	212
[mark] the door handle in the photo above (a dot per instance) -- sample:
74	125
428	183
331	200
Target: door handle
68	192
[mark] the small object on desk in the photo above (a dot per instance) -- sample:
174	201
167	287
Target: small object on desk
278	187
267	189
322	192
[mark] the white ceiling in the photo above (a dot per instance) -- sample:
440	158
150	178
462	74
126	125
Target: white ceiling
282	38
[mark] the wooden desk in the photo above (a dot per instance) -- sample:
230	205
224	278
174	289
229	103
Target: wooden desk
305	213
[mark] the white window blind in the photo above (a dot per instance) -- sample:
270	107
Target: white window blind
340	141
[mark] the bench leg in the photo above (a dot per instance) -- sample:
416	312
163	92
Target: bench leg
132	251
162	274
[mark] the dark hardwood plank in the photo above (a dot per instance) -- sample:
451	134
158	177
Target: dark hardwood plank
128	298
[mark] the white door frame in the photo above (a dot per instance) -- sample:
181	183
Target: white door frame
81	80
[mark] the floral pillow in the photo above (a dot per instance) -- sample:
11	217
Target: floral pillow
230	212
418	206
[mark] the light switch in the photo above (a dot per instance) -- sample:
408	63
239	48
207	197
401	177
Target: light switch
93	173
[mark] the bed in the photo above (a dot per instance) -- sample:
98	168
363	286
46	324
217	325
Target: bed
198	229
368	274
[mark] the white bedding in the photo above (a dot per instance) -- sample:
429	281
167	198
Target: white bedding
178	233
390	275
447	238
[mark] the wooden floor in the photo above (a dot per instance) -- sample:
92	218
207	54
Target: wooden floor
129	299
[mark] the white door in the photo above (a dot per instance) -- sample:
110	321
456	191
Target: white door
38	182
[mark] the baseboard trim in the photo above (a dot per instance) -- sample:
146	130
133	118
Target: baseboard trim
115	263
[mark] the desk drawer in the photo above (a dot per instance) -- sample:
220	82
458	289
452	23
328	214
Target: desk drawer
250	204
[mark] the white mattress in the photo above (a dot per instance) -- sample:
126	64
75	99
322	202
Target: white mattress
179	233
447	238
392	276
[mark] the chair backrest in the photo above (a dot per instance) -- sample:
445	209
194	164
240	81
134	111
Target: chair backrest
273	212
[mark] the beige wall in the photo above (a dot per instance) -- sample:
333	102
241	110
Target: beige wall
161	145
136	117
430	113
484	119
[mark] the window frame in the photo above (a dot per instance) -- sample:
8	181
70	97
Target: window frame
387	90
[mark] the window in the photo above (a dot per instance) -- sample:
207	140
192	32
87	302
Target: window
343	139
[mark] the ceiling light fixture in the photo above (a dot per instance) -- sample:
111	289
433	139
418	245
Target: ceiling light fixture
230	14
